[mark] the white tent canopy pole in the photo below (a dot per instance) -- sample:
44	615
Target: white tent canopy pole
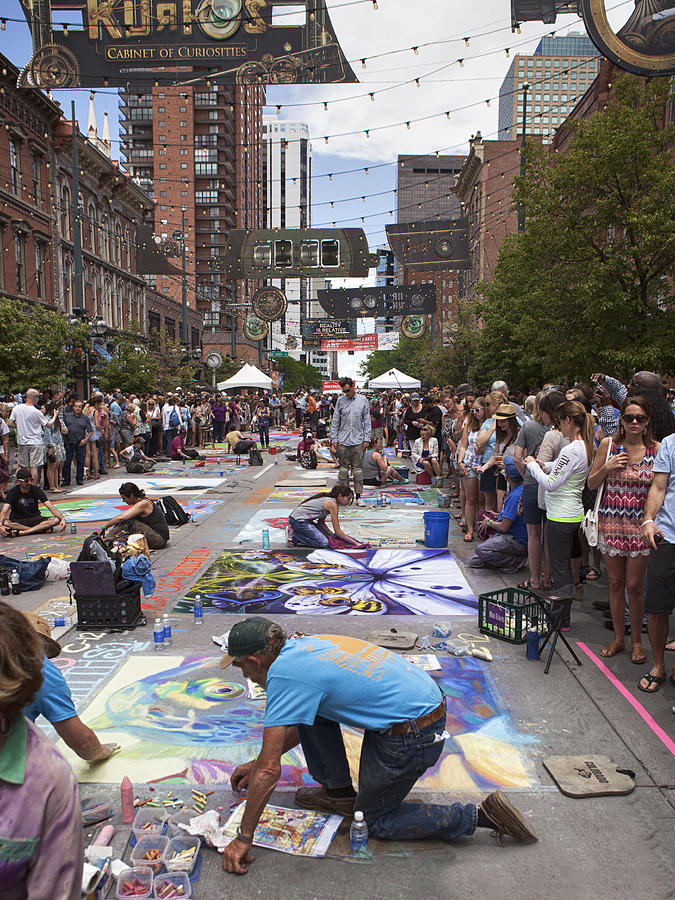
247	376
394	378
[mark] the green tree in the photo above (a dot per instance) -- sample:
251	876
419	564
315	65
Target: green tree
297	374
37	346
174	369
588	285
132	367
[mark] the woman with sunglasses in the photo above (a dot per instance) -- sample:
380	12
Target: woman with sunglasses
563	482
469	461
485	444
625	476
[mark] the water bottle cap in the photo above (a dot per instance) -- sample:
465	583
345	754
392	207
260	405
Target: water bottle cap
158	621
358	816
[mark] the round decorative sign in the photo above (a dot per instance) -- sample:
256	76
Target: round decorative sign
269	303
255	329
214	359
644	44
413	326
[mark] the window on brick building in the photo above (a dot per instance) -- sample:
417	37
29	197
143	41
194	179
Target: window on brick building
40	270
14	167
20	262
36	171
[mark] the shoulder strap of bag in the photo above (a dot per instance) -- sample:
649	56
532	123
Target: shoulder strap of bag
601	488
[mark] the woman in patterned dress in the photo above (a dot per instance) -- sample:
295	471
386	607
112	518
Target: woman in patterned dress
625	478
469	461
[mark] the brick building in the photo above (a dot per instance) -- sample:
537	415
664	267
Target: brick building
196	150
37	217
27	122
425	193
484	188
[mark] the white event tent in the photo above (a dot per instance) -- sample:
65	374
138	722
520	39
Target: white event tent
393	379
247	376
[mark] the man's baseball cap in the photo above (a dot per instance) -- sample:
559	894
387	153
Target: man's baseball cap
247	637
414	396
41	626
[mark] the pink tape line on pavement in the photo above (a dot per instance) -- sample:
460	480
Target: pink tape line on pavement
637	706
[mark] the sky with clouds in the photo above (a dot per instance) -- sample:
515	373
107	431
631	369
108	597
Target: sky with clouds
406	85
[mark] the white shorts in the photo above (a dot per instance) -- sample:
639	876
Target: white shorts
30	455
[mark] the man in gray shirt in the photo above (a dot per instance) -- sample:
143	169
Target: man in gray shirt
350	433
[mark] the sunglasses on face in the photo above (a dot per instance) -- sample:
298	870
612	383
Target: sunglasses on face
479	410
632	417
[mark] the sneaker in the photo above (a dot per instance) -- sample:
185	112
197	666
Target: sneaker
360	502
506	818
317	798
600	604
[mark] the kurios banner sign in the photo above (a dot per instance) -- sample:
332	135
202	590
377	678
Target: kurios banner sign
114	42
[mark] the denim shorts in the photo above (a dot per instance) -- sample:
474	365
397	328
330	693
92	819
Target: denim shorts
532	514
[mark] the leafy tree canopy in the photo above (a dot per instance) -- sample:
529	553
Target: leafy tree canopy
132	367
588	285
297	374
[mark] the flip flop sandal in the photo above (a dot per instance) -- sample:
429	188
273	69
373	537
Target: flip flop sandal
592	574
670	649
658	680
526	585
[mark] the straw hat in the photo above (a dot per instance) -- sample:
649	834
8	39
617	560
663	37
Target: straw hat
505	411
53	648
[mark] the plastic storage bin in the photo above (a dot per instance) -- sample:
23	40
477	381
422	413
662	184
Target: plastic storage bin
147	844
130	880
182	817
148	821
180	844
508	614
436	527
180	882
114	611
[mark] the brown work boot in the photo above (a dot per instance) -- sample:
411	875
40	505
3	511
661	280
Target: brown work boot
506	819
317	798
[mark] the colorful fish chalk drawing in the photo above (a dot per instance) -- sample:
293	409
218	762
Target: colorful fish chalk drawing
333	582
297	831
177	719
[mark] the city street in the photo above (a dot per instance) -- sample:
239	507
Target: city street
587	848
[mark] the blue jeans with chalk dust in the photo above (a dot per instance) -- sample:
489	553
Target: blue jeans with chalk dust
388	769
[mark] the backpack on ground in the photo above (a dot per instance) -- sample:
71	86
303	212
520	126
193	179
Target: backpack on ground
255	457
174	418
173	512
308	459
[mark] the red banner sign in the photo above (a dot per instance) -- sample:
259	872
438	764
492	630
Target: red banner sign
362	342
329	386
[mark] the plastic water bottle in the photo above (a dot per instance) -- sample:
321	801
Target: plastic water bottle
166	621
358	835
533	644
158	634
15	582
198	609
266	538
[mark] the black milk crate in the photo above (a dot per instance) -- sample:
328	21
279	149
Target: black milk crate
113	612
508	614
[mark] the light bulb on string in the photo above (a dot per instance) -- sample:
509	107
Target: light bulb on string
461	63
466	41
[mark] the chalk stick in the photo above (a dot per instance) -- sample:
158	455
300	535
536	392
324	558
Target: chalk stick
104	836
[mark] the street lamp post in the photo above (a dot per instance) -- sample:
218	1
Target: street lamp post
184	282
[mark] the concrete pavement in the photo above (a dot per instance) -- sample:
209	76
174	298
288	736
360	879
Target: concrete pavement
588	848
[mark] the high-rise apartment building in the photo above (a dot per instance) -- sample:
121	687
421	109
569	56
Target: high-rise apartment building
196	149
287	203
425	193
557	75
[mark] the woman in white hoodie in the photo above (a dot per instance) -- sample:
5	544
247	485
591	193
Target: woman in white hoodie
563	481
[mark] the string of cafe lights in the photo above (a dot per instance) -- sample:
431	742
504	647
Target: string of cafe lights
331	203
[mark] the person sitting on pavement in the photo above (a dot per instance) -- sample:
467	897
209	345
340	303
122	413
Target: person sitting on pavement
135	460
238	443
144	516
308	519
20	514
178	450
306	454
55	703
506	550
658	529
40	813
315	684
425	452
376	470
